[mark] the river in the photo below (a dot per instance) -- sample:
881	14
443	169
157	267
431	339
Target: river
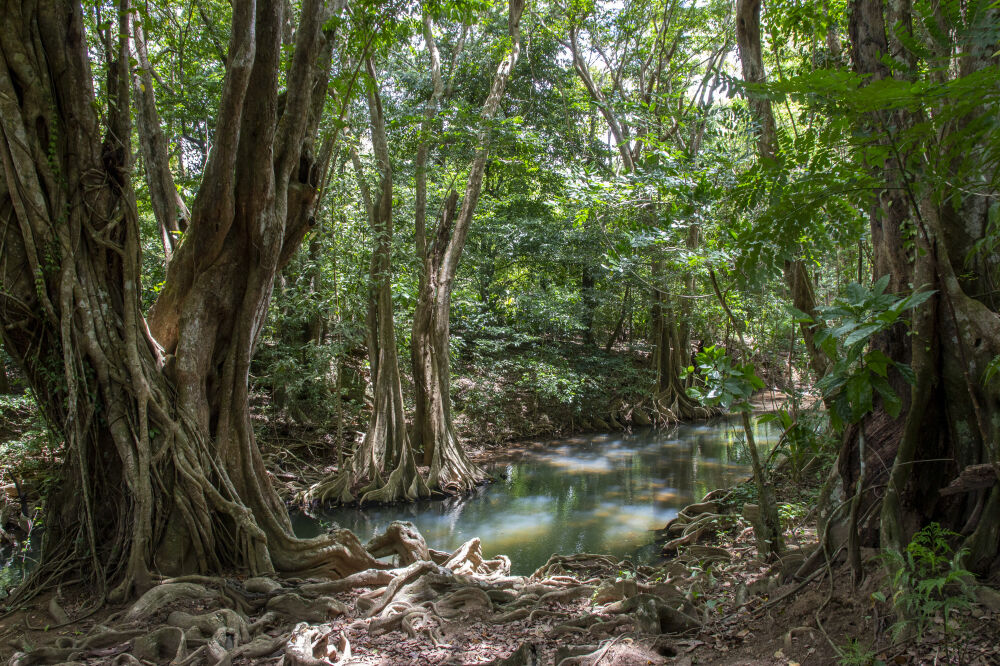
601	493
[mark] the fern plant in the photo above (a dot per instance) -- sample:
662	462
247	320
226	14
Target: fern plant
928	580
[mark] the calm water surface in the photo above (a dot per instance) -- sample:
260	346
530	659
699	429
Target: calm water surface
592	493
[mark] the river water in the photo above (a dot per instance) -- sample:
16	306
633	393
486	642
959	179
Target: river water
593	493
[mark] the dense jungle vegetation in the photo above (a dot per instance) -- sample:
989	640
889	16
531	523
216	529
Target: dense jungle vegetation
262	256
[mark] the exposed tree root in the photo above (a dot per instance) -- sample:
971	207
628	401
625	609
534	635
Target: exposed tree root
429	596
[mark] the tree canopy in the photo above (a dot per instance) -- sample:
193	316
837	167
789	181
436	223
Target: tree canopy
419	226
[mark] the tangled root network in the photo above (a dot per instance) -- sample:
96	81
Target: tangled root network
573	610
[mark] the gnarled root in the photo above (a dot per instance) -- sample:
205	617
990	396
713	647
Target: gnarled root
400	539
208	620
316	646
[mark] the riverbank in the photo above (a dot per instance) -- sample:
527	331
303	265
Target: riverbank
710	601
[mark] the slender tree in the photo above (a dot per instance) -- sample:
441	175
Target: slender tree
796	274
439	254
385	456
644	68
169	207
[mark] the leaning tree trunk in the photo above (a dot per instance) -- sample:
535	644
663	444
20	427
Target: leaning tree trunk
450	467
161	473
950	416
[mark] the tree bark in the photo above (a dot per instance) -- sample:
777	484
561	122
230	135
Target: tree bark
752	60
949	414
162	472
168	206
387	444
434	429
385	457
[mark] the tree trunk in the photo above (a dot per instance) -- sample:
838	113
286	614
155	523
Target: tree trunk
168	207
949	414
385	458
668	336
162	472
670	358
450	467
588	296
752	61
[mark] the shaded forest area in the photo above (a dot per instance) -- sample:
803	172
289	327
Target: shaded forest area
271	257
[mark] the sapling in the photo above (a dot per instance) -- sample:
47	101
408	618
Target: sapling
730	385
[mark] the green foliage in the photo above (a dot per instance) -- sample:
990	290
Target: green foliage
29	448
509	385
803	437
857	653
724	383
927	580
859	372
992	368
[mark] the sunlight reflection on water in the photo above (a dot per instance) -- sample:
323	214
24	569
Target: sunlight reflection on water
599	493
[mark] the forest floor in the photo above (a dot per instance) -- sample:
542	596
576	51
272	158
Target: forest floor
708	601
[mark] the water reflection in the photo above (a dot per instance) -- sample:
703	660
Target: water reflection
599	493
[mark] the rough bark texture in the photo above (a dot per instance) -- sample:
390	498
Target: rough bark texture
950	417
387	444
434	430
162	471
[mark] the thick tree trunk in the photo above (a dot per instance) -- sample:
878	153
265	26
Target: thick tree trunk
752	60
162	472
950	414
451	470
